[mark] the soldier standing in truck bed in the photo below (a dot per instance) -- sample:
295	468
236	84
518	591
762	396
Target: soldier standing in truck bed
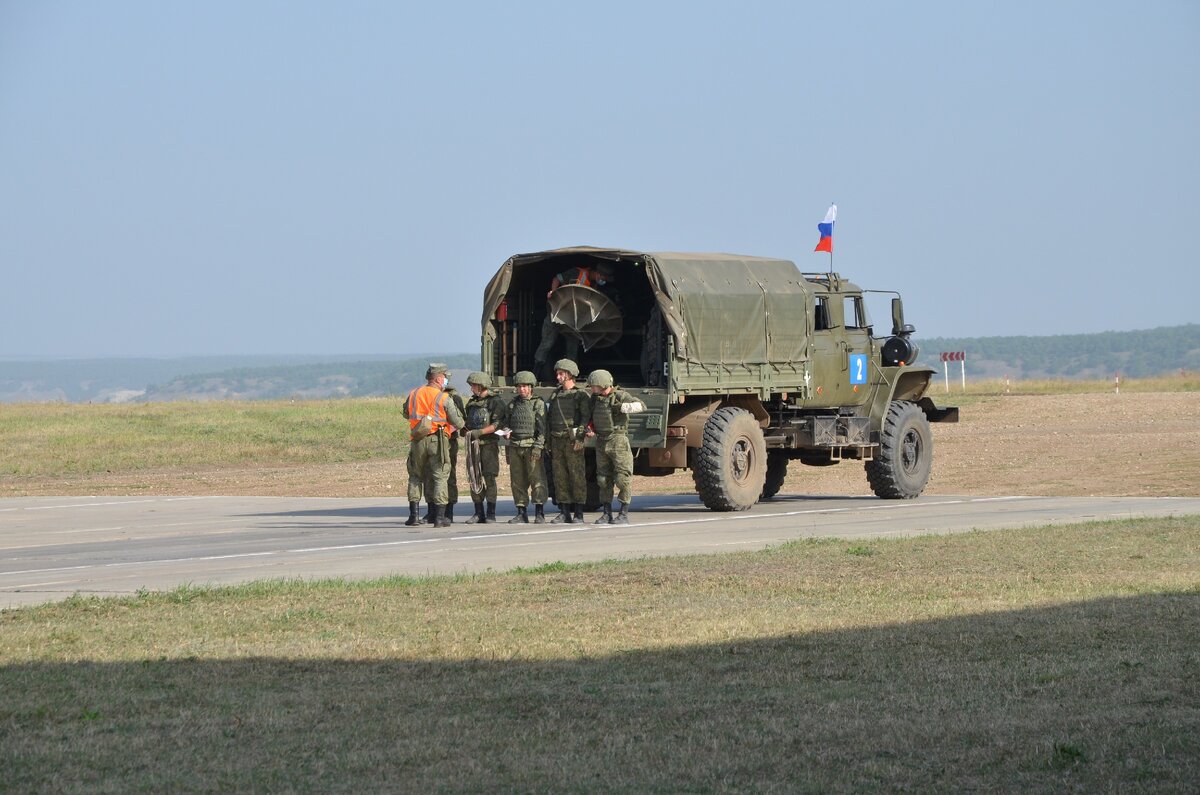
569	413
611	408
597	277
432	418
525	417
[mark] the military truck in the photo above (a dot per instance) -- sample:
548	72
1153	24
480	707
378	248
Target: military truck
744	364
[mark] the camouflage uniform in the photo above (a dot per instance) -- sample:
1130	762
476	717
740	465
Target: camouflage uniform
480	413
429	458
569	413
527	419
452	477
614	458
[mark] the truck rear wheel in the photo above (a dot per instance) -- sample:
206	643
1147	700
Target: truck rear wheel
777	463
731	465
901	469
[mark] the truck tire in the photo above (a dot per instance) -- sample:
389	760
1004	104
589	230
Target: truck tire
901	469
777	463
731	464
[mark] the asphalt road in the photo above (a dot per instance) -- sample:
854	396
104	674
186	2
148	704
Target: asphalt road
53	547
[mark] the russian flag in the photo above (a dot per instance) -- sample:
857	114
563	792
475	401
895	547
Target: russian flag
826	229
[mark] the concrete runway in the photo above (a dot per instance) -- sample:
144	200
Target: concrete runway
53	547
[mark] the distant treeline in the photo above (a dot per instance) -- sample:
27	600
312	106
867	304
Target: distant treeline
308	381
1130	354
217	377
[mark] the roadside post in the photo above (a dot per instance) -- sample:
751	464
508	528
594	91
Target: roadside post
954	356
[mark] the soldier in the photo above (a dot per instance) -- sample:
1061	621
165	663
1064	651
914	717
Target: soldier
611	408
433	418
482	412
569	412
452	480
525	417
598	276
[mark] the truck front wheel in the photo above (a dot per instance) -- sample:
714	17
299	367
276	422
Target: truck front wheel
731	466
901	469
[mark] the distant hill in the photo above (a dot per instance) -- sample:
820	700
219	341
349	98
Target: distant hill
310	381
217	377
1132	354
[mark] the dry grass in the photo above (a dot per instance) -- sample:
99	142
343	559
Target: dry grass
1043	660
1046	660
49	441
1049	440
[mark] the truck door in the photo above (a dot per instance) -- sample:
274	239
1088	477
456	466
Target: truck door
856	347
826	354
841	351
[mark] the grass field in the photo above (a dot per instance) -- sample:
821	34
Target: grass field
55	439
1041	660
1148	438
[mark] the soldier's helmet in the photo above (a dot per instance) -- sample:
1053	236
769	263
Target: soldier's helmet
436	368
525	378
567	365
480	379
600	378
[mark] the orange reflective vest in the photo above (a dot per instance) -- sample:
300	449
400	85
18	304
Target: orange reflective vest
583	276
428	401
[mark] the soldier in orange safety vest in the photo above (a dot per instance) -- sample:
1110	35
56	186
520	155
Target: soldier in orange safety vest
432	418
597	276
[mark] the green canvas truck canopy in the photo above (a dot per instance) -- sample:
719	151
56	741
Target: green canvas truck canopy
718	307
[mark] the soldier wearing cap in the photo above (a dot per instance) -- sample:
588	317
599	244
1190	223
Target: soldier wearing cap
433	419
611	408
525	418
452	479
569	412
482	412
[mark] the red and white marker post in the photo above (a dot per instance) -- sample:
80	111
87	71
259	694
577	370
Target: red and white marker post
954	356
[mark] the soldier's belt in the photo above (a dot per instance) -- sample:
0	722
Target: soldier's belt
525	442
569	433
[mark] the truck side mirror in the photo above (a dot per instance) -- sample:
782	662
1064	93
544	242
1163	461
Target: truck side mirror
899	327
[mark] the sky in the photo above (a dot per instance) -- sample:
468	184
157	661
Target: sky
259	177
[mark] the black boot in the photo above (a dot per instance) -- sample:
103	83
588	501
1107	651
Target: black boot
521	517
539	516
623	516
478	515
428	518
579	513
569	513
564	513
413	519
439	516
491	512
450	512
605	515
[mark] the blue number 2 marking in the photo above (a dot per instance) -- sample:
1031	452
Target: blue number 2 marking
858	368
